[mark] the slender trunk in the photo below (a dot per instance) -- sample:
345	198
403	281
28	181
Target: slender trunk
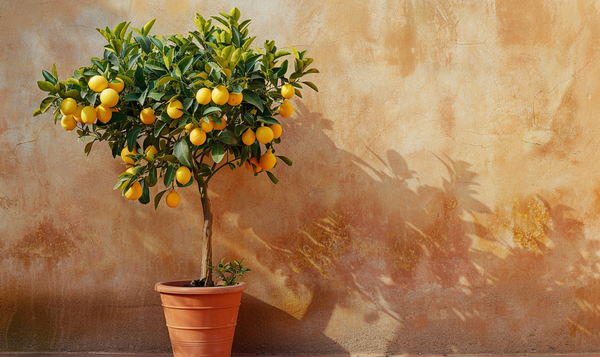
206	269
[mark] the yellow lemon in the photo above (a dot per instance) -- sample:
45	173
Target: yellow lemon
104	113
249	137
147	116
276	128
126	159
173	109
68	122
207	127
264	134
253	165
268	160
134	192
88	115
288	91
235	99
221	126
183	175
286	109
98	83
68	106
109	97
150	152
203	96
197	136
130	171
118	87
220	95
189	127
173	199
77	114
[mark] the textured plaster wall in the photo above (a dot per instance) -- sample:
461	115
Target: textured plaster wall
444	196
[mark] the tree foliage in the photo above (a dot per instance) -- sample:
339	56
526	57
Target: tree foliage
158	71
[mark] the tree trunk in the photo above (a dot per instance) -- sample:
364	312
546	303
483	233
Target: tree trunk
206	269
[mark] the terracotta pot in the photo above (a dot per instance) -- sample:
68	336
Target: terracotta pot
201	321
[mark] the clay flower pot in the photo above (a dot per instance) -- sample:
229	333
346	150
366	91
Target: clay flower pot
201	321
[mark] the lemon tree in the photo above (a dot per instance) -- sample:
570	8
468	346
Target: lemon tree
177	109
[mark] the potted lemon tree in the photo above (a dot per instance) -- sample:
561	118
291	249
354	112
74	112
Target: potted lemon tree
178	109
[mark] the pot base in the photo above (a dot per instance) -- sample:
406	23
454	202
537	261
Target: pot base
201	321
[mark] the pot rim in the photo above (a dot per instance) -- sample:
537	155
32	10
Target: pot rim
176	287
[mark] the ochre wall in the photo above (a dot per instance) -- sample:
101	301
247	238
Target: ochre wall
444	196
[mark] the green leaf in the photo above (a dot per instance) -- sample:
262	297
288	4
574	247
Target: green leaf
112	58
37	112
54	71
56	114
158	197
210	110
169	175
187	103
88	148
73	93
133	60
155	68
104	33
143	95
170	158
267	120
153	176
228	138
125	176
118	28
312	85
156	95
145	199
91	72
312	70
272	177
236	36
253	99
50	78
285	160
45	86
147	27
295	53
45	105
145	43
283	70
132	137
185	64
182	151
218	152
213	67
239	129
164	80
158	127
117	45
281	53
177	131
132	97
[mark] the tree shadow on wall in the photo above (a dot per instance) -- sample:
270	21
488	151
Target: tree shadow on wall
369	239
355	235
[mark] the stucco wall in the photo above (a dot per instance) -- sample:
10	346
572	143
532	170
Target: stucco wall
444	196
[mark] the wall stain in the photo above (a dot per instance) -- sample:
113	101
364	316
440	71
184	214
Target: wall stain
46	242
525	23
